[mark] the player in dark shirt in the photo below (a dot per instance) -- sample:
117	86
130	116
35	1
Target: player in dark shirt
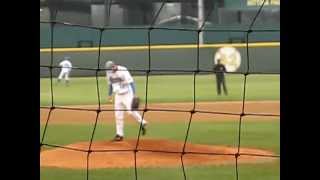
219	69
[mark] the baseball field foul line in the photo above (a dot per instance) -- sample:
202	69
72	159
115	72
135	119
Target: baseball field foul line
159	47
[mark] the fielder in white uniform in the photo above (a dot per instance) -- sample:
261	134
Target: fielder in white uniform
121	84
66	67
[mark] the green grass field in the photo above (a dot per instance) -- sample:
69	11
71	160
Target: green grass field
175	88
255	134
246	172
265	135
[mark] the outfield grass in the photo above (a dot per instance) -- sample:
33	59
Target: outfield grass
173	88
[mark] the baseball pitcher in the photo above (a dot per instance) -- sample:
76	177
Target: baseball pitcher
121	84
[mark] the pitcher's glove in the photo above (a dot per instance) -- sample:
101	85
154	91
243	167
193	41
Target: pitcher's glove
135	103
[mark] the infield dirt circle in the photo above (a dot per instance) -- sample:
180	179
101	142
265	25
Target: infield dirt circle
150	152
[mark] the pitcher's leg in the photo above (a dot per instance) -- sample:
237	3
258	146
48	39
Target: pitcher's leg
119	116
119	123
135	114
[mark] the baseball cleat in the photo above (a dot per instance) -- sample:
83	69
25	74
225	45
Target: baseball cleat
117	138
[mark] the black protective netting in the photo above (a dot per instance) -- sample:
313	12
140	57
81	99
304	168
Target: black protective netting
148	72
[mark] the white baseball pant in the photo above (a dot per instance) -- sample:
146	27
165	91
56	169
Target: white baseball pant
122	103
64	73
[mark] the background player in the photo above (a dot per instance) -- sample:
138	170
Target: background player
66	67
219	69
121	84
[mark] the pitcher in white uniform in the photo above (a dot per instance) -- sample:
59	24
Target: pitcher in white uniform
66	67
121	84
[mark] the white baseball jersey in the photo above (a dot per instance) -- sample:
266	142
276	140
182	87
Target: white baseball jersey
66	65
120	80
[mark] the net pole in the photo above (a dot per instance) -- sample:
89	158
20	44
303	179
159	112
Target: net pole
200	19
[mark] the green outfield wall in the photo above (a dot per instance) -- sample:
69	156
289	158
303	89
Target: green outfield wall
262	59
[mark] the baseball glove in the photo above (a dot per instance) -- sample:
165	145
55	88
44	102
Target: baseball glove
135	103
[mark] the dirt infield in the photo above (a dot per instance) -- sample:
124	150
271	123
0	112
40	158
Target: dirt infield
124	158
257	107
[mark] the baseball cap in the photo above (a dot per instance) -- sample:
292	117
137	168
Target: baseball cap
109	64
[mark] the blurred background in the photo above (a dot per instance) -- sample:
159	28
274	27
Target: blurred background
214	14
141	12
175	22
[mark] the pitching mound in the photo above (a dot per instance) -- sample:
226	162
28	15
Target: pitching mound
107	157
124	157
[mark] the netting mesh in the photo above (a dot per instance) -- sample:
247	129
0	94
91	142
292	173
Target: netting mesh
98	69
